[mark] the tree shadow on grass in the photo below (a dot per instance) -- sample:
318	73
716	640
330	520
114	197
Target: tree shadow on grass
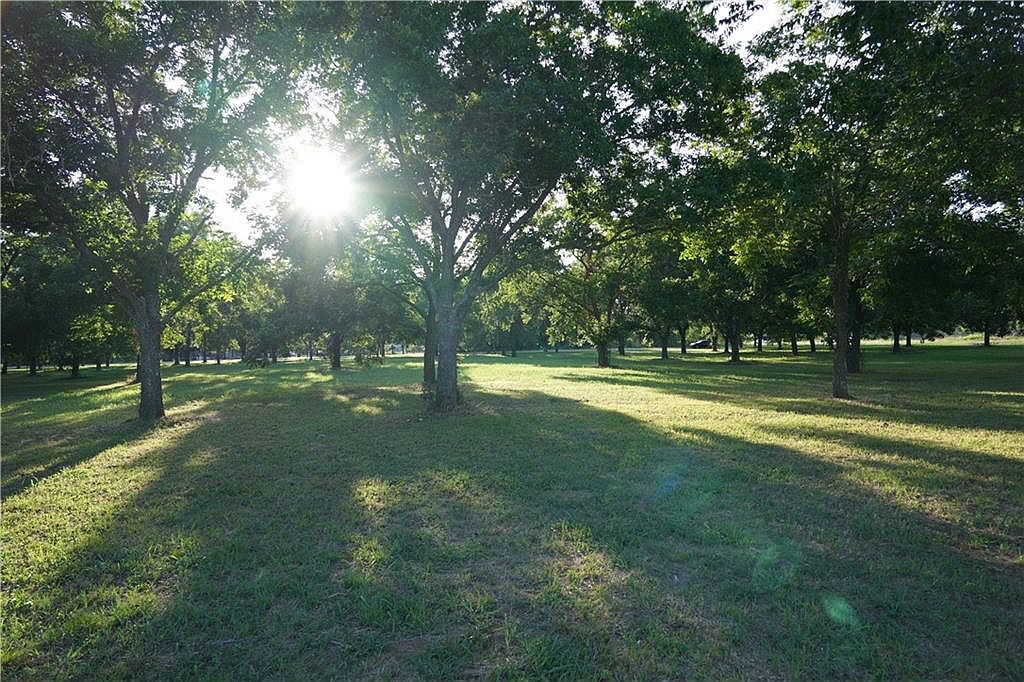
340	533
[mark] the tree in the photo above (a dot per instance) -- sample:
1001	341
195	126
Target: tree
476	113
133	103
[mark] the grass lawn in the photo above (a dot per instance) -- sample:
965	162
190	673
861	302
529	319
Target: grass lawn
681	519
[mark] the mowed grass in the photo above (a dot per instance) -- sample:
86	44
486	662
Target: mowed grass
681	519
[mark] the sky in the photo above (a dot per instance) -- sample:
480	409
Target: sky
217	184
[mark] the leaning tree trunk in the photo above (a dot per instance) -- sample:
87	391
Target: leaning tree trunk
151	402
812	343
335	350
683	328
840	305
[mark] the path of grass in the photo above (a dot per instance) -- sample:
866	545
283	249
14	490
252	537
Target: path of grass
680	519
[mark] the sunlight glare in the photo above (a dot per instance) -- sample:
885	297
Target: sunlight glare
320	184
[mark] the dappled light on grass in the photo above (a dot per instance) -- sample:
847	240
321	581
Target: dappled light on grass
559	524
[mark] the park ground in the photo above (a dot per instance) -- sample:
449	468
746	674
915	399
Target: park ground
680	519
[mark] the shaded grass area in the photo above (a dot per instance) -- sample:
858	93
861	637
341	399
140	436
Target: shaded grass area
661	519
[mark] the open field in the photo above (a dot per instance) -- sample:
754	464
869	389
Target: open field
661	519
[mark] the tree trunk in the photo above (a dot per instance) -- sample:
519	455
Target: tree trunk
33	365
664	344
714	342
840	305
108	362
907	344
793	347
177	355
622	345
988	335
778	343
725	343
603	357
188	345
446	395
218	356
76	366
760	342
683	328
204	354
99	364
335	344
242	346
273	356
151	402
811	342
734	343
430	347
895	340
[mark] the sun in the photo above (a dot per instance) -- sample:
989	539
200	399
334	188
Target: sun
319	183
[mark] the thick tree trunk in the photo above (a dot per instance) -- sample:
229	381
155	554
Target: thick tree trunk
907	344
988	335
895	340
446	394
33	365
622	345
760	342
725	343
335	343
734	343
793	347
151	402
682	328
812	343
430	347
99	364
76	366
603	356
840	305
